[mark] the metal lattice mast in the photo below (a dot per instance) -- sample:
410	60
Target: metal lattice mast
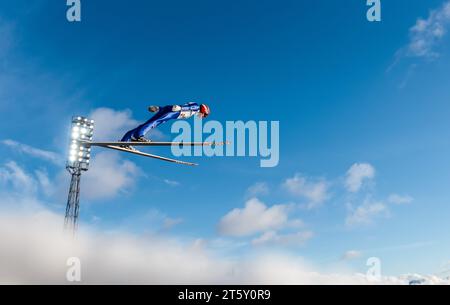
73	201
79	158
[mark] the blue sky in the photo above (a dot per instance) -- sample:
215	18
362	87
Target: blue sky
345	91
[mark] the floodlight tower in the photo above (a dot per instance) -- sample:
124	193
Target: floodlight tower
79	158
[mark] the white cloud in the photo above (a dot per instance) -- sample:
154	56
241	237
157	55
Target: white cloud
118	258
427	33
314	192
291	239
366	213
150	222
357	174
255	217
16	179
169	223
35	235
257	189
45	184
34	152
110	124
417	279
171	182
351	254
115	258
108	176
400	199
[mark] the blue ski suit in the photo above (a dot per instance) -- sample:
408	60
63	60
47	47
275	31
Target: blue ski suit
164	114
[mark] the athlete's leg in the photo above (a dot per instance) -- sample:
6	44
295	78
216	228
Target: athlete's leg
131	134
128	135
155	121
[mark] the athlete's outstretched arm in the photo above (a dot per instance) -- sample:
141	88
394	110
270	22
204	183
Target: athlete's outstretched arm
176	108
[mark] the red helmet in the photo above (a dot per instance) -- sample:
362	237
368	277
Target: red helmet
204	109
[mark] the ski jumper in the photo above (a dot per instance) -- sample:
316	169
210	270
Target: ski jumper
164	114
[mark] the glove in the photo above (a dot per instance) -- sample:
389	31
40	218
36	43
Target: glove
176	108
153	108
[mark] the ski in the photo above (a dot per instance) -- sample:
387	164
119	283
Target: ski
140	153
156	143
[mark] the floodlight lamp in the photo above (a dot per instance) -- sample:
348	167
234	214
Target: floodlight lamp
82	131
